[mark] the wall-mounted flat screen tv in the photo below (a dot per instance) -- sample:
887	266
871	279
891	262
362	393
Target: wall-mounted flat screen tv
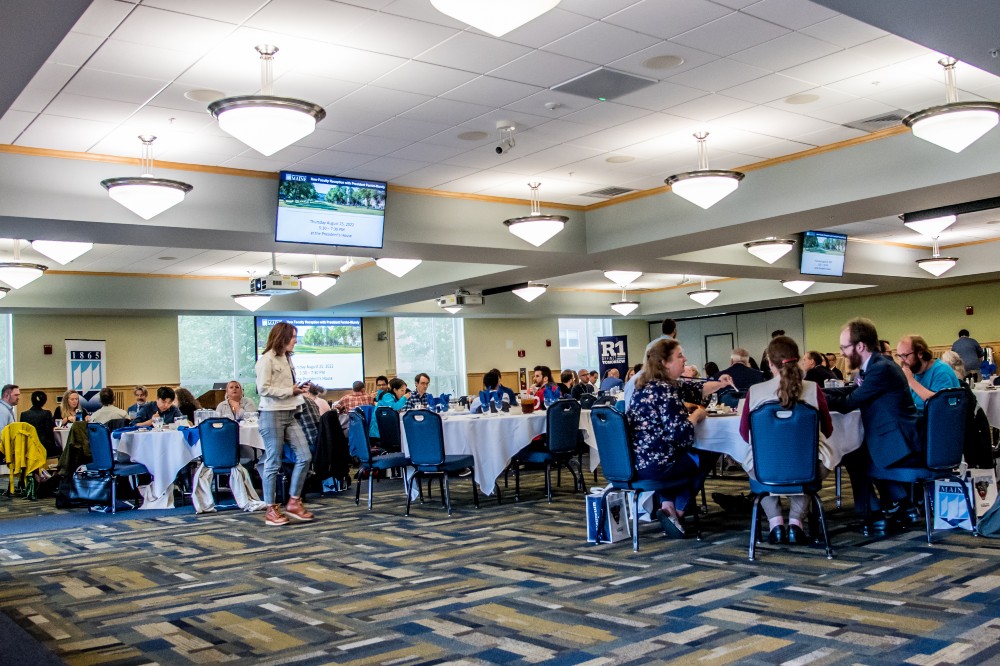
329	351
329	210
823	253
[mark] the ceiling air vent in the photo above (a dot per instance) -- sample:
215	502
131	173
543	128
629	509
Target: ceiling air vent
607	192
880	122
604	84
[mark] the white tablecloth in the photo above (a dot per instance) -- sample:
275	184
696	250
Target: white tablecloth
989	400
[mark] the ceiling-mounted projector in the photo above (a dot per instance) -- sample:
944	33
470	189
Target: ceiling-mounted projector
274	284
461	299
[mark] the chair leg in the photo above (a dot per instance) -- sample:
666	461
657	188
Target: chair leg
409	489
447	495
371	488
114	498
928	512
754	526
839	474
357	492
442	482
822	525
635	520
704	501
475	490
548	480
517	481
558	478
577	482
969	505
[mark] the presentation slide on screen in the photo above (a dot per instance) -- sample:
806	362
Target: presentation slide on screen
328	351
823	254
330	211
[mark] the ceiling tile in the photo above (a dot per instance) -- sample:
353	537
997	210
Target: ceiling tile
482	180
397	35
636	63
649	16
719	75
90	108
315	89
13	123
428	152
372	145
778	149
606	114
172	97
170	30
843	31
387	168
565	104
491	91
323	138
879	80
660	96
709	107
600	43
542	69
118	87
75	48
827	98
792	14
785	51
773	122
406	128
767	89
729	34
449	111
597	9
333	162
327	22
558	131
60	133
825	137
891	49
102	17
50	78
370	106
835	67
32	100
424	78
122	57
550	158
633	132
432	176
230	11
473	53
420	10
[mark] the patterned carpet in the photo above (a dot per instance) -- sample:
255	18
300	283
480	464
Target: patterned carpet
509	584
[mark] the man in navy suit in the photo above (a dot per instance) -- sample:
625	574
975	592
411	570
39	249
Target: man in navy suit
890	420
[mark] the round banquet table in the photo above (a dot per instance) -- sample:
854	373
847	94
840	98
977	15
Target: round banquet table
989	400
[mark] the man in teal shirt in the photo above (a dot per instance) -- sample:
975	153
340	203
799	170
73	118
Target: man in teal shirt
925	374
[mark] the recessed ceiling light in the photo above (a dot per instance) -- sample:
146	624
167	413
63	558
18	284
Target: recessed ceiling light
619	159
802	98
167	258
204	95
472	136
663	62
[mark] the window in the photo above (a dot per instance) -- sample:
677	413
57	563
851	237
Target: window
6	350
216	349
434	345
578	342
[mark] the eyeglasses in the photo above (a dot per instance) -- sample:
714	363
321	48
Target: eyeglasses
844	348
905	356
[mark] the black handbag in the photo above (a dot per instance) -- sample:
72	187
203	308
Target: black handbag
84	489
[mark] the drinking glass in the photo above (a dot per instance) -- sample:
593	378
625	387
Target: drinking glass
157	423
59	423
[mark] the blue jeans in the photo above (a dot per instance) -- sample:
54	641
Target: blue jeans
276	428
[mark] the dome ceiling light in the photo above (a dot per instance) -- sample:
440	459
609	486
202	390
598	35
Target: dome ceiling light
770	249
145	195
623	278
252	302
936	265
18	273
704	187
531	290
316	283
62	252
495	18
954	125
398	267
704	296
536	228
798	286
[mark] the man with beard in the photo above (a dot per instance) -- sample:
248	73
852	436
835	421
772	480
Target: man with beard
925	374
890	421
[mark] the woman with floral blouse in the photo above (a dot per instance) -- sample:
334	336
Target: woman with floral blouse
663	429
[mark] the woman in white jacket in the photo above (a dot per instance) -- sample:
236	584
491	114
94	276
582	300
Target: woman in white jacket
280	399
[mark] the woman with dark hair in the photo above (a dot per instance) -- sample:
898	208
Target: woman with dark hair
711	369
187	403
663	429
395	397
280	399
43	422
788	387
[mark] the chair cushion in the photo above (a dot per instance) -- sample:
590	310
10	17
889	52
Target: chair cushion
390	461
542	457
450	464
651	485
903	474
123	469
760	488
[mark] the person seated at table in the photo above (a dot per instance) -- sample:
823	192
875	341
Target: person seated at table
68	406
954	361
583	384
357	397
10	395
503	389
43	421
565	384
831	363
162	407
315	394
491	382
690	372
594	377
236	405
663	431
612	380
108	411
631	371
924	373
418	398
742	374
186	403
788	386
141	394
395	397
381	386
815	368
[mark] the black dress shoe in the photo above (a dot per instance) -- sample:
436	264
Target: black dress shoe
877	525
904	514
777	535
797	536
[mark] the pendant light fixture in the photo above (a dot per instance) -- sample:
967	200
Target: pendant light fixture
623	278
398	267
18	273
798	286
316	283
3	291
62	252
495	18
954	125
930	226
625	307
252	302
704	187
264	122
531	290
145	195
936	265
536	228
770	249
704	296
453	309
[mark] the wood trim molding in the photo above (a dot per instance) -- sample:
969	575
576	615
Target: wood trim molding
163	276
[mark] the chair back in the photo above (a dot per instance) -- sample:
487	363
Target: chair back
220	442
424	437
606	399
388	428
100	447
946	413
785	443
357	437
367	411
613	445
562	423
587	400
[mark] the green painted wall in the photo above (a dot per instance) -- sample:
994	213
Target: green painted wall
936	314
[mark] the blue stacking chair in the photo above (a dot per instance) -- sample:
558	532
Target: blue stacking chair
388	429
614	445
357	436
785	445
946	413
220	448
367	411
425	440
104	459
562	427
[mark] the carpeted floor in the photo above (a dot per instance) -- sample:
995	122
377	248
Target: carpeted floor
510	584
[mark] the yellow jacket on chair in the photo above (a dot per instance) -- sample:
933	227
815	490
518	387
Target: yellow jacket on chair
23	451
